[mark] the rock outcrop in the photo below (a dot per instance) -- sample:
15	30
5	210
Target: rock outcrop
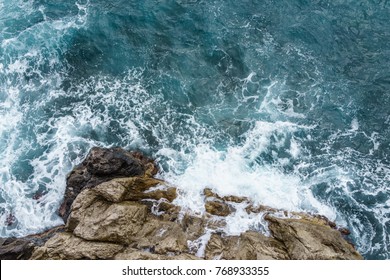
307	238
22	248
115	209
102	165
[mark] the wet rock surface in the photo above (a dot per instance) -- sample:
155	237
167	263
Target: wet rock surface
101	165
15	249
118	210
307	238
22	248
247	246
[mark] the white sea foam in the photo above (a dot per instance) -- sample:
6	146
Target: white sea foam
198	246
240	221
354	124
235	172
21	193
270	162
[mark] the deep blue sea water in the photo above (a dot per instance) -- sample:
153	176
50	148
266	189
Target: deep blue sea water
285	101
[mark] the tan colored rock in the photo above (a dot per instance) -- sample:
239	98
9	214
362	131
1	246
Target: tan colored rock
93	217
136	185
133	254
169	194
168	211
248	246
258	209
311	239
113	191
208	193
118	222
162	236
193	226
218	208
217	225
80	205
138	188
119	212
134	218
150	169
235	199
168	207
65	246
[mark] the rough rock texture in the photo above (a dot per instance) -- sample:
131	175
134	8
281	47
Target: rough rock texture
22	248
310	239
102	165
15	249
115	209
248	246
64	246
108	222
218	208
133	254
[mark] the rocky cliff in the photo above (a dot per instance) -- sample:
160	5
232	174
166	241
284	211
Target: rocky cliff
114	208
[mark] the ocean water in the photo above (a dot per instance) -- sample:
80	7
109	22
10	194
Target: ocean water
286	102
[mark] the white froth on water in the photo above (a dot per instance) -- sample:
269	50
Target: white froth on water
236	172
32	188
240	221
354	124
49	172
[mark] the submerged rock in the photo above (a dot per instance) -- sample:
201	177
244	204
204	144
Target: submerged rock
115	209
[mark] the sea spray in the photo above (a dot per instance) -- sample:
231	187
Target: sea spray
281	101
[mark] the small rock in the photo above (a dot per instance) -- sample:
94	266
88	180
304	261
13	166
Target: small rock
209	193
217	208
344	231
170	211
235	199
259	209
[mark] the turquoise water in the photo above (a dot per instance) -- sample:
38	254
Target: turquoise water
287	102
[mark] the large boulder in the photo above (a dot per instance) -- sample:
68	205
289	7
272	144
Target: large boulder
66	246
119	212
101	165
16	248
247	246
307	238
22	248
